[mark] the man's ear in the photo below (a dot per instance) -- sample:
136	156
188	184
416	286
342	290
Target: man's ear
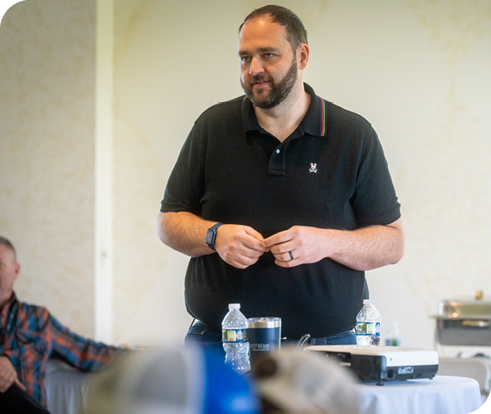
17	270
303	53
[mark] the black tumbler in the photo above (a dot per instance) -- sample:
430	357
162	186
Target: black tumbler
264	336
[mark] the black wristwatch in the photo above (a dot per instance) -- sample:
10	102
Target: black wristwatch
211	235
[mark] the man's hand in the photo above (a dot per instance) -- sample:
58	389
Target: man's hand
306	245
8	376
364	249
239	246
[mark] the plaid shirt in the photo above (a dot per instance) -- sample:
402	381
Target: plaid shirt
30	335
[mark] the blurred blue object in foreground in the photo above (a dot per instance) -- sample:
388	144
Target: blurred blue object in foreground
172	380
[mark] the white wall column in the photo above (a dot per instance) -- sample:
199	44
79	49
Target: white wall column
104	173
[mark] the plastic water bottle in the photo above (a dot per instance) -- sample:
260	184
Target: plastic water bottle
393	335
235	341
368	325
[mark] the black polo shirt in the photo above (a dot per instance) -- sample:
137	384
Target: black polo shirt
330	173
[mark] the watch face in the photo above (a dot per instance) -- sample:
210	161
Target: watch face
209	239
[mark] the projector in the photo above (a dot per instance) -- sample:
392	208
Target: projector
381	363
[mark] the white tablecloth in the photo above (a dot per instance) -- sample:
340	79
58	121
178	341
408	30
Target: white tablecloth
67	391
66	388
441	395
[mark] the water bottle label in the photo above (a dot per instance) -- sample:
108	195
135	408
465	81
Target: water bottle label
393	342
234	335
368	328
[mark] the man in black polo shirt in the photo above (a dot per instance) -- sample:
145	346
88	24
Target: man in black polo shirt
282	199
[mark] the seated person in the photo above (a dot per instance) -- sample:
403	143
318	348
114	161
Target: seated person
30	335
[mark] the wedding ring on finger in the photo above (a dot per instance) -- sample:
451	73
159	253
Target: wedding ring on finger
291	255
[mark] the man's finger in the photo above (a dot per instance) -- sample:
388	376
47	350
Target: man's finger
278	238
5	384
255	241
254	233
19	384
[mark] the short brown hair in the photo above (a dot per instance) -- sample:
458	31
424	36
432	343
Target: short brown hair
6	242
295	30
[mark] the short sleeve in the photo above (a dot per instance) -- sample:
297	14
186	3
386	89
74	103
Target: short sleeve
374	200
186	186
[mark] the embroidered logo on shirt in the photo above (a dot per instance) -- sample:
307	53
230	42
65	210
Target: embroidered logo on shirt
313	168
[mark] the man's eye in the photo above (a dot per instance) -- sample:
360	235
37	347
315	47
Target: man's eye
268	55
244	59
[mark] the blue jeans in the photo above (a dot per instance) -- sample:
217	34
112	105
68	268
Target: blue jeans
204	336
343	338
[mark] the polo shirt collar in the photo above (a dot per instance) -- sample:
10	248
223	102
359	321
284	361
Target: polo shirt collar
313	123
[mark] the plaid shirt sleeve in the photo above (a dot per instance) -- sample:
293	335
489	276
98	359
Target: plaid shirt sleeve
77	351
30	335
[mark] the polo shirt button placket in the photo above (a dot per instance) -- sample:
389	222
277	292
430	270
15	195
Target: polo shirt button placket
276	162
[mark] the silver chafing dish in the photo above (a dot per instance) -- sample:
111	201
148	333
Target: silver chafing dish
464	322
465	325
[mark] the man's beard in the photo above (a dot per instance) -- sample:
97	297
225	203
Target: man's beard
279	91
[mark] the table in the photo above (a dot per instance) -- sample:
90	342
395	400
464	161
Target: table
478	368
66	388
441	395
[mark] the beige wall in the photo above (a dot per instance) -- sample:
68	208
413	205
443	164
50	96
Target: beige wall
47	118
417	70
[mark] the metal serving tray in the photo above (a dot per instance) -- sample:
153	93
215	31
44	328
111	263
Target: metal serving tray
472	308
467	323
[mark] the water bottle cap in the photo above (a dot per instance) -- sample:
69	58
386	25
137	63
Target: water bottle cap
234	305
367	301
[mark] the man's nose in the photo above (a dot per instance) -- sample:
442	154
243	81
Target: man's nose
256	67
